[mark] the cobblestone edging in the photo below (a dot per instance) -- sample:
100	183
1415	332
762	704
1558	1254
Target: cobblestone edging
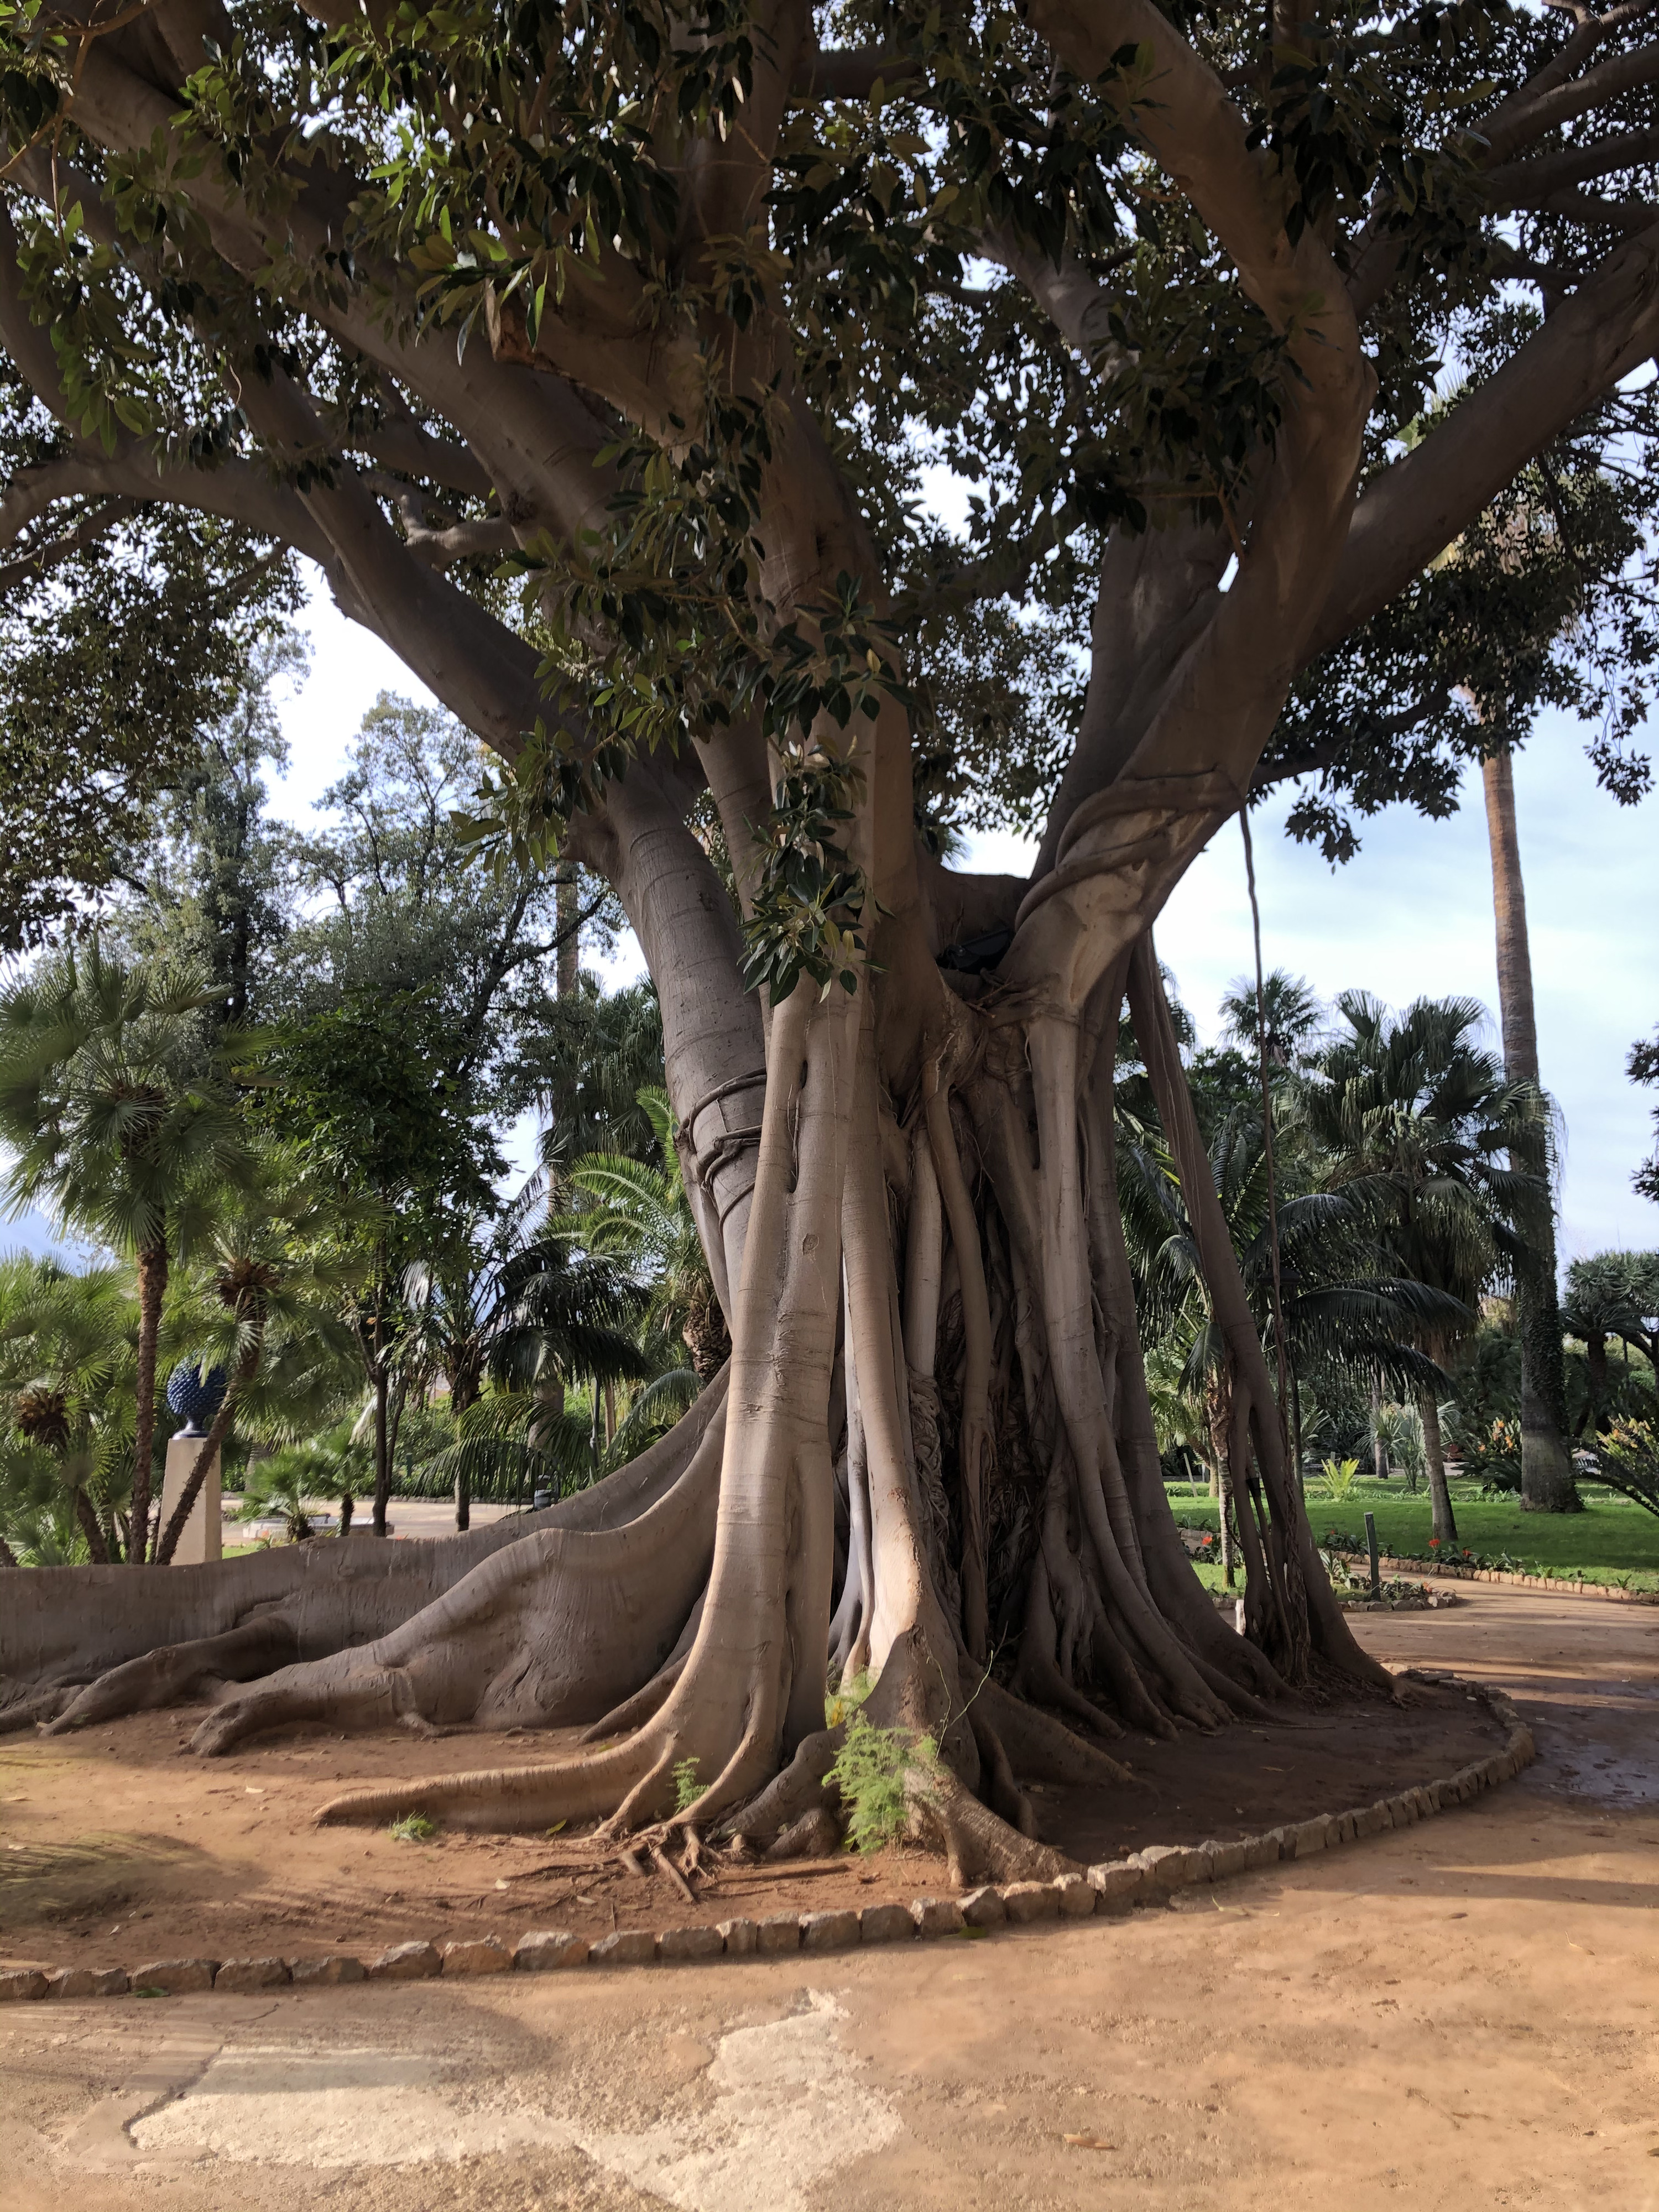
1387	1564
1147	1876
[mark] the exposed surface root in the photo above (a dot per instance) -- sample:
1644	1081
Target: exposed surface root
814	1835
64	1627
179	1673
790	1796
979	1846
30	1712
542	1633
1005	1794
1041	1749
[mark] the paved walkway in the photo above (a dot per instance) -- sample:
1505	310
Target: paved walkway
1458	2015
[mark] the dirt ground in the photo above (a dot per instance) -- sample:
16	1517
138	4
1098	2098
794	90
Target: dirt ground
1458	2014
119	1845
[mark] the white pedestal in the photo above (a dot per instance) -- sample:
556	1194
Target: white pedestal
203	1536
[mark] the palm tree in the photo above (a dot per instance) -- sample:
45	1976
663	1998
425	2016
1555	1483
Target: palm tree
1341	1309
335	1467
1293	1015
117	1109
589	1065
1609	1295
504	1299
67	1347
637	1215
1547	1478
268	1275
1397	1433
1419	1125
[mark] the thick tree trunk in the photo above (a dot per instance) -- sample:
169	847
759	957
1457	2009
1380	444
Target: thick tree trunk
566	912
1596	1401
1547	1477
1434	1451
1004	1493
152	1289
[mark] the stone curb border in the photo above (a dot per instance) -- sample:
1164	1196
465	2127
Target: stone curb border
1147	1877
1451	1573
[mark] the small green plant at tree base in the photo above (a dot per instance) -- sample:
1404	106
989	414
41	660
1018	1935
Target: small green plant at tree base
413	1828
843	1701
687	1788
869	1772
1341	1476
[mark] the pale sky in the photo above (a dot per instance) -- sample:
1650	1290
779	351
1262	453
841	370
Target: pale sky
1411	915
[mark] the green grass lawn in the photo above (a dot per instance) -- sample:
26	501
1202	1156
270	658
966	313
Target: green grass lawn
1610	1541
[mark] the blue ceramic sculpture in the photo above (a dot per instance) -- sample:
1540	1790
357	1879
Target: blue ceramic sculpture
196	1397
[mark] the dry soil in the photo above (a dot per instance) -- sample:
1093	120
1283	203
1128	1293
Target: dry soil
1460	2014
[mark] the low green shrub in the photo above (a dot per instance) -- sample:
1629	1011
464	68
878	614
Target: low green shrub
870	1772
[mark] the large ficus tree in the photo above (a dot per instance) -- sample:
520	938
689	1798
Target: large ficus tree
593	353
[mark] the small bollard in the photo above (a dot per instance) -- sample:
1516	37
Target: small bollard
1370	1545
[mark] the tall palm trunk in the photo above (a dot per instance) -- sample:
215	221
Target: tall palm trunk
382	1443
152	1289
1434	1450
463	1393
1595	1402
97	1549
1547	1478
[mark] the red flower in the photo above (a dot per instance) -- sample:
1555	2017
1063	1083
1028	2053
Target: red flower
1434	1542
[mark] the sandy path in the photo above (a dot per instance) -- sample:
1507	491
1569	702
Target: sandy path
1459	2015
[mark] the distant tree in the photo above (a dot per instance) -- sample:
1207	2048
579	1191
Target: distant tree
636	1213
1293	1014
392	904
268	1275
1342	1310
213	885
499	1297
330	1467
1642	1067
364	1088
1608	1295
68	1343
1417	1122
124	1124
589	1062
